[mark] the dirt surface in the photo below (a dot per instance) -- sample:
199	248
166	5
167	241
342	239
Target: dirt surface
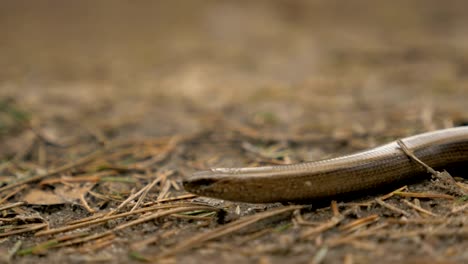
99	99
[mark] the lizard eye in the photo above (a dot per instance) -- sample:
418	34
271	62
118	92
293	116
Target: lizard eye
197	184
204	182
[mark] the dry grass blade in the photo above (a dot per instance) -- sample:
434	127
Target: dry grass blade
352	237
334	221
148	187
459	208
89	218
85	204
130	198
415	159
416	221
445	180
39	248
360	222
80	240
64	242
298	219
226	229
141	192
164	191
13	251
424	195
462	186
93	177
97	244
320	255
442	232
172	199
103	197
418	208
254	236
13	205
363	245
334	208
385	197
193	217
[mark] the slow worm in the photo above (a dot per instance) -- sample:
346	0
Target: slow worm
354	174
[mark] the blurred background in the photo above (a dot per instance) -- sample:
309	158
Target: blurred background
157	68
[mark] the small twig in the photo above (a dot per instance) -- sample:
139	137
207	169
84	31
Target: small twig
334	208
418	208
411	155
424	195
297	217
128	200
462	186
103	197
175	185
39	248
446	181
171	199
94	177
459	208
360	222
150	186
254	236
99	243
393	208
192	217
85	204
391	194
363	245
164	191
89	218
82	239
9	206
444	232
352	237
416	221
335	220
